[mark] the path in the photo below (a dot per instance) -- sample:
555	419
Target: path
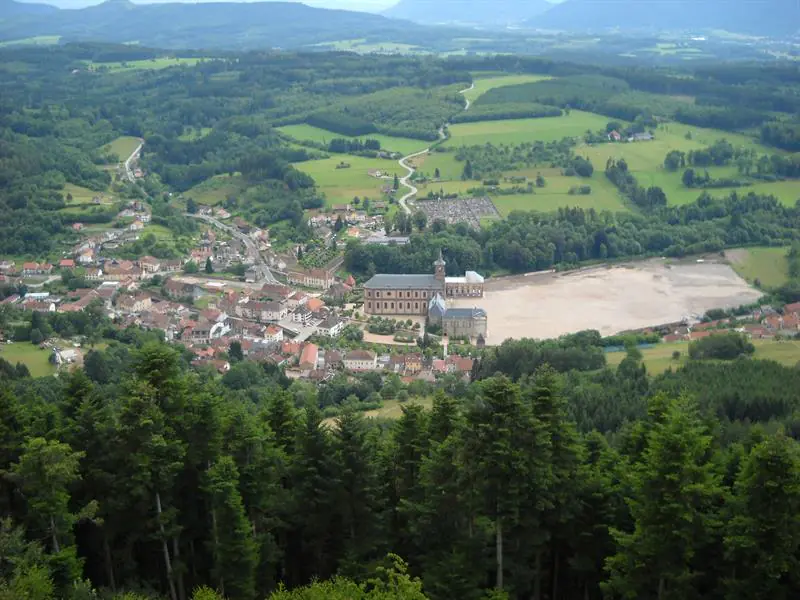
412	190
468	104
134	155
250	245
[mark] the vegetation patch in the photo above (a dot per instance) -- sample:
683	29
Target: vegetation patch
305	132
484	84
763	267
341	185
123	146
36	359
149	64
217	189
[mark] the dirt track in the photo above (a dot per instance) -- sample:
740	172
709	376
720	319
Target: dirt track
609	299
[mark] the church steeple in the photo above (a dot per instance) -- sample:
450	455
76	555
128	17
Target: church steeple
439	265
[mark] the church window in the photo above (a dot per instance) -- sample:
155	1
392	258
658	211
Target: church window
416	305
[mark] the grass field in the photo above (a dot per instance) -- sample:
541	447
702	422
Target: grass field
123	146
361	45
483	85
659	358
516	131
81	195
39	40
316	134
36	359
216	189
768	265
391	409
342	185
163	62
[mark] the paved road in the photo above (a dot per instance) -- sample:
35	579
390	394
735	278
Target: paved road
404	181
252	248
134	155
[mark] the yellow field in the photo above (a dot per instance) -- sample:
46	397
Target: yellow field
659	358
483	85
342	185
123	146
768	265
316	134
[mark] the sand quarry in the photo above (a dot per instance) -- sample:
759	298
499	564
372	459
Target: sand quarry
609	298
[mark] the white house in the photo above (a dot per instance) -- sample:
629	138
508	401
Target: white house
360	360
331	327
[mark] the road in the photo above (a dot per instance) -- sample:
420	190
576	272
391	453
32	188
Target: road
404	181
468	104
252	248
134	155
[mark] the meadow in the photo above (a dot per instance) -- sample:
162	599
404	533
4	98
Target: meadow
33	357
81	195
216	189
163	62
768	265
123	146
659	358
342	185
484	84
317	134
39	40
516	131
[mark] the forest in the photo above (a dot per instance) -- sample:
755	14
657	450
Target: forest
549	475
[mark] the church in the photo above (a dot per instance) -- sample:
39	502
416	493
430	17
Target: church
401	295
457	322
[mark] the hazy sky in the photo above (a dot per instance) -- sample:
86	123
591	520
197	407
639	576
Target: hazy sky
369	5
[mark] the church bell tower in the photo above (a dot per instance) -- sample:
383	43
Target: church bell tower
439	265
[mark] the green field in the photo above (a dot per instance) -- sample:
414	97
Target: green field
316	134
33	357
659	358
82	195
483	85
123	146
163	62
191	133
216	189
516	131
342	185
391	409
39	40
768	265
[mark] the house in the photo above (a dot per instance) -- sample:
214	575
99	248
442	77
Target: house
360	360
273	333
86	257
276	291
614	136
301	315
134	304
341	208
333	359
314	278
308	357
149	264
331	327
77	226
413	363
117	271
137	225
262	311
315	304
792	309
177	289
641	137
32	268
297	299
66	263
7	267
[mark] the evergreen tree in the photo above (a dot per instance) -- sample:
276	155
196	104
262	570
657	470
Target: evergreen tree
233	548
209	268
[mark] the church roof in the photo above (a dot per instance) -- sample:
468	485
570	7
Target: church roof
437	306
439	262
465	313
403	282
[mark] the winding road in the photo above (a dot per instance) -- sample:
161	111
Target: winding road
404	181
134	155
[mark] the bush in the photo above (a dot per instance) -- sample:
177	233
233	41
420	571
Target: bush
724	347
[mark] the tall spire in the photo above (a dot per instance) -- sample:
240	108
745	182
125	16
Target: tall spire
438	267
440	261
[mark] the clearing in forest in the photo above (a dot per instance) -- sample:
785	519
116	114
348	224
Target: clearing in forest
516	131
484	84
341	183
389	143
123	146
216	189
767	265
163	62
36	359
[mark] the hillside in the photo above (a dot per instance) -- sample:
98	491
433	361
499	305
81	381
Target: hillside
10	9
497	12
216	24
765	17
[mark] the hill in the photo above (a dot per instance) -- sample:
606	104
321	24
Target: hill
10	9
764	17
215	24
497	12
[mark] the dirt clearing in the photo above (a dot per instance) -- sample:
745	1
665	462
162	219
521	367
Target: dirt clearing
609	299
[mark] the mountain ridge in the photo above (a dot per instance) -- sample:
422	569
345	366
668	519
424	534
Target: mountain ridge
495	12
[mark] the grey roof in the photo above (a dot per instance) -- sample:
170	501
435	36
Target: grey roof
404	282
437	306
465	313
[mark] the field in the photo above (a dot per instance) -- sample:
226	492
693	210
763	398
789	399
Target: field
608	299
216	189
316	134
659	358
123	146
80	195
768	265
391	409
516	131
36	359
362	46
163	62
39	40
342	185
483	85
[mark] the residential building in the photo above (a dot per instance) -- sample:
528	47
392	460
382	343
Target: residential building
262	311
301	315
273	333
66	263
313	278
32	268
308	357
297	299
134	304
360	360
331	327
150	264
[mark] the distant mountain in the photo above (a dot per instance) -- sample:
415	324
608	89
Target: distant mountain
204	25
10	9
481	12
757	17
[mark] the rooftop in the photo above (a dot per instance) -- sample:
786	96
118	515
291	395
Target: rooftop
402	282
465	313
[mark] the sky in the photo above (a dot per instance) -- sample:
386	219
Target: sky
363	5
